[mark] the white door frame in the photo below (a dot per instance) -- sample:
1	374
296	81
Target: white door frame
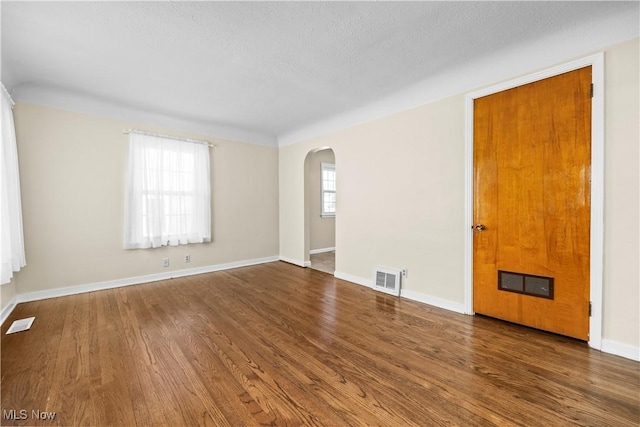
597	182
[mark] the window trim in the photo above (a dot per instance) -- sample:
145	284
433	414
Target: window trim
146	227
325	167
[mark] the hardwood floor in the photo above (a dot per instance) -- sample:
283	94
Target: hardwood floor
276	344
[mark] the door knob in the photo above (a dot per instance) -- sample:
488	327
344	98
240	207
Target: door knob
480	227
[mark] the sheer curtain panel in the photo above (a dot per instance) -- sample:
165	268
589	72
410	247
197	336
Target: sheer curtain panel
168	193
12	257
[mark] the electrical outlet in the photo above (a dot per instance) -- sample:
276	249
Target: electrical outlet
165	262
404	272
187	258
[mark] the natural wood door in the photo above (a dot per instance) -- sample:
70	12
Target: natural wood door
532	175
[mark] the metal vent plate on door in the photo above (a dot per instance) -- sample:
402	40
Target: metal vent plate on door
527	284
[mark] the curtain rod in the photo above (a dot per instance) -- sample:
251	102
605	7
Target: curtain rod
175	138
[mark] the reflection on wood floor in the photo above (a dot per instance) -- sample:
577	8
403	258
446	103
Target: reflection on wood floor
276	344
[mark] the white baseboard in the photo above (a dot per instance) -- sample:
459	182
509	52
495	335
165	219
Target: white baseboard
322	250
354	279
608	346
110	284
434	301
621	349
295	261
412	295
8	309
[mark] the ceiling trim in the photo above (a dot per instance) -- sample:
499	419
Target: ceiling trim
80	103
543	52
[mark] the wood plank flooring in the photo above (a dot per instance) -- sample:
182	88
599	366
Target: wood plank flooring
276	344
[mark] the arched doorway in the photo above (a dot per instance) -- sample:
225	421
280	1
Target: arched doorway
320	209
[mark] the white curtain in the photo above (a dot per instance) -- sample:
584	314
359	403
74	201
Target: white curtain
168	194
12	247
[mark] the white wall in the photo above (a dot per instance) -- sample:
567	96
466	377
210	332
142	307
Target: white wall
401	198
72	171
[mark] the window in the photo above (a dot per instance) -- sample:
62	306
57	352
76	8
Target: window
168	194
12	257
328	171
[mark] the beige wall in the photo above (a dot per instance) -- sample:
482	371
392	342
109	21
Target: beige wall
401	198
622	195
322	231
72	171
7	292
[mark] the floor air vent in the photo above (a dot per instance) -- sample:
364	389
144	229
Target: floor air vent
387	281
21	325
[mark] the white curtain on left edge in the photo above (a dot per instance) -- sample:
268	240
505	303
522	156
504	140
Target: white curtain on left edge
12	257
168	193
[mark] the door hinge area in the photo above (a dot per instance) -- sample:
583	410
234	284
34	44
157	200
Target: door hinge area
591	90
590	308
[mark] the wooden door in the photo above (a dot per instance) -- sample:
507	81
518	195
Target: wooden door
532	203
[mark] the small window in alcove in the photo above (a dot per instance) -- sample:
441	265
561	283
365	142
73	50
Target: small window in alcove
328	171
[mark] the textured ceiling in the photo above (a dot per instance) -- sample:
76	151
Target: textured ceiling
268	67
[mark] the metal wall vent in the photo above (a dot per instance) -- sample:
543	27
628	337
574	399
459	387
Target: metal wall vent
20	325
387	281
528	284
